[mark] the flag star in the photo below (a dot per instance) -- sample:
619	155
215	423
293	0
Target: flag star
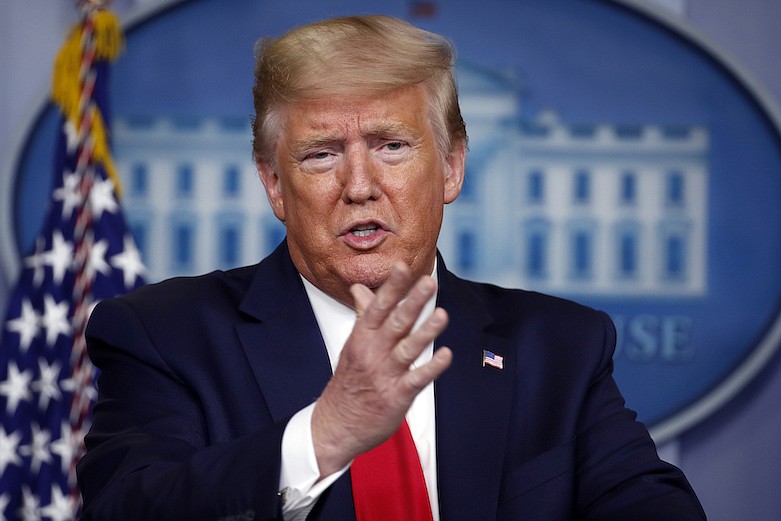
97	259
46	384
9	443
27	325
15	387
36	262
71	136
61	507
67	446
60	257
72	385
31	509
38	450
55	319
69	193
129	261
101	198
81	382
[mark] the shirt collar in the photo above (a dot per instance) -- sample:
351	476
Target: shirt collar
336	320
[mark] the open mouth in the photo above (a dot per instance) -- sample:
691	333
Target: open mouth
364	230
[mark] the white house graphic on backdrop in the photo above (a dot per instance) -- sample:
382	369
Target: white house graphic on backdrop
571	208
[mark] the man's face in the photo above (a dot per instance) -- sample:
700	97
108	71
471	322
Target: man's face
360	184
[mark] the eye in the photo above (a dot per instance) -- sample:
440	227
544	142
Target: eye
394	146
318	155
318	160
392	151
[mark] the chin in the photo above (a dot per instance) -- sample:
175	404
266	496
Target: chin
370	272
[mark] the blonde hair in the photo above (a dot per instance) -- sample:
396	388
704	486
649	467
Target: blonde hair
360	55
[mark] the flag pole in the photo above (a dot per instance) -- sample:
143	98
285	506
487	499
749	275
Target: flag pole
82	372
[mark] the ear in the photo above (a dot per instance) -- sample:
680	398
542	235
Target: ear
273	185
454	171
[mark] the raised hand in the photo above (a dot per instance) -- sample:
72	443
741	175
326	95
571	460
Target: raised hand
373	386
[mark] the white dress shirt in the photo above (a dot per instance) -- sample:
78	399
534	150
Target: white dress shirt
298	479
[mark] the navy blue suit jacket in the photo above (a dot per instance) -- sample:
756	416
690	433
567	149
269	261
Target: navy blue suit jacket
200	375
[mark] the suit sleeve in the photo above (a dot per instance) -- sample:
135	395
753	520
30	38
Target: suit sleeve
149	453
620	475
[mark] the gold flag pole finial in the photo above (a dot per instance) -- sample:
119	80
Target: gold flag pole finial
97	37
89	5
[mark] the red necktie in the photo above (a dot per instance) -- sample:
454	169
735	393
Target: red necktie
388	482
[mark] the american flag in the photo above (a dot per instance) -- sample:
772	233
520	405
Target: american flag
493	360
83	254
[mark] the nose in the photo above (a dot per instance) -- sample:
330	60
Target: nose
359	177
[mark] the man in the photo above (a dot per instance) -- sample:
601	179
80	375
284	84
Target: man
261	393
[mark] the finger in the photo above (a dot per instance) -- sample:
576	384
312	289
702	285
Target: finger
389	294
362	298
403	318
417	379
408	349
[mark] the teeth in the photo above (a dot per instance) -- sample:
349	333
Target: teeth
363	232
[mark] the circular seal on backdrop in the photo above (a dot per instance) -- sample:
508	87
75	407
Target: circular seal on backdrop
615	159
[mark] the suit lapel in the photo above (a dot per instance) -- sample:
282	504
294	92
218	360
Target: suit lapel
284	347
473	405
281	338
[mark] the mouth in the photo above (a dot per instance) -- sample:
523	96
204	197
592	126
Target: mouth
364	230
364	235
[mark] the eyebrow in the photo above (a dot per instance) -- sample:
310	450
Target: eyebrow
314	142
384	129
387	129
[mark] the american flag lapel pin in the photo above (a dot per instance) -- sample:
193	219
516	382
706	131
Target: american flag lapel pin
493	359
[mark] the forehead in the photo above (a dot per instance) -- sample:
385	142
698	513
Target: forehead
401	110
